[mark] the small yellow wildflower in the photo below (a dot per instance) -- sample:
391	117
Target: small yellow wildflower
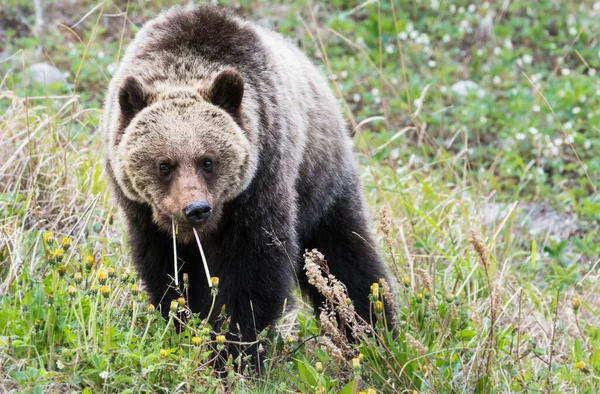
59	254
319	366
125	276
89	262
419	298
181	302
174	305
378	306
426	293
65	243
162	353
135	290
71	290
205	331
576	304
290	339
215	281
220	339
112	272
375	290
94	289
449	297
62	270
582	366
78	278
102	276
105	291
356	363
196	341
406	281
151	308
371	391
48	238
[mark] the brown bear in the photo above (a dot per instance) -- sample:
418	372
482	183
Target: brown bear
214	123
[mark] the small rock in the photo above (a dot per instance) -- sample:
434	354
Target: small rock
44	73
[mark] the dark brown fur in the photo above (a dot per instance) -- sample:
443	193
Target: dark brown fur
288	169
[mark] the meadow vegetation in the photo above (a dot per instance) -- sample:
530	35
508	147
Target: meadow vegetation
477	128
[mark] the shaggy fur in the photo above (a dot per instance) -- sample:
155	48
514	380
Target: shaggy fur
199	83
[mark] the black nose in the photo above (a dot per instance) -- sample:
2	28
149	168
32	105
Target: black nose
197	212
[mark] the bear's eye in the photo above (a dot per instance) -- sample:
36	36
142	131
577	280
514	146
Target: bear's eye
207	165
164	169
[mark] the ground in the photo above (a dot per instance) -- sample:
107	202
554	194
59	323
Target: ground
477	128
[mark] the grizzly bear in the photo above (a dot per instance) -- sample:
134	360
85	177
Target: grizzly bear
214	123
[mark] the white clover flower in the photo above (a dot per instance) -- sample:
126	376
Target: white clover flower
389	48
554	150
375	92
497	80
483	120
557	142
520	136
461	10
572	30
333	77
103	375
356	97
508	44
561	93
434	4
587	144
527	59
576	110
565	71
519	62
452	10
497	51
414	34
582	98
344	74
472	8
570	139
402	35
568	126
446	38
535	108
532	130
431	63
394	81
443	89
592	72
377	100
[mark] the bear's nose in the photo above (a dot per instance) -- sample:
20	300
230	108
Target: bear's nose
197	212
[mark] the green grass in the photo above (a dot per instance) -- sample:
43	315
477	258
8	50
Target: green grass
486	204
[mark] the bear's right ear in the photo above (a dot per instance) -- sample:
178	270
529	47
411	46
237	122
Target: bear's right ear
131	98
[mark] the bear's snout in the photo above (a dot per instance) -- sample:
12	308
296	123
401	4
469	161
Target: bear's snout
197	212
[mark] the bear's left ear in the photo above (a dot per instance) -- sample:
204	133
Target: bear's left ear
227	91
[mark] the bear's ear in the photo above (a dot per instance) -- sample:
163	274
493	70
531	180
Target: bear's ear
227	91
131	98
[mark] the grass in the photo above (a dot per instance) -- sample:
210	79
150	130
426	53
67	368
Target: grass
485	203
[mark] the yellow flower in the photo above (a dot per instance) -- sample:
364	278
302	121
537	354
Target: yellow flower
371	391
105	291
125	277
356	363
162	353
196	341
426	293
319	366
215	281
378	306
205	331
375	290
582	366
449	297
135	290
174	306
406	281
186	280
59	254
181	302
150	308
94	289
576	303
71	290
65	243
290	339
102	276
112	272
220	339
419	298
77	277
62	270
89	262
48	238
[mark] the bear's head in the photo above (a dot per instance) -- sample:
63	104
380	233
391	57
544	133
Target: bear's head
186	153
